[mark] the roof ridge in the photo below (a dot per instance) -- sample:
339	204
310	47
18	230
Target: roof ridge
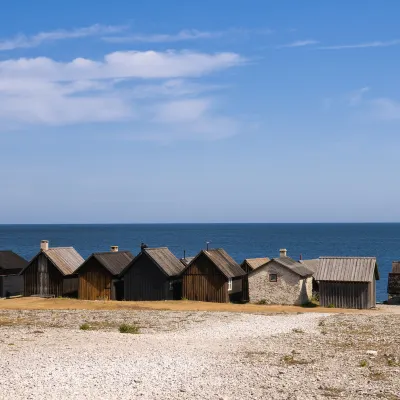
112	252
349	257
56	248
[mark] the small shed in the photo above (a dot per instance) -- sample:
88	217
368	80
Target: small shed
52	272
213	275
281	280
394	283
347	282
248	265
99	275
154	274
11	264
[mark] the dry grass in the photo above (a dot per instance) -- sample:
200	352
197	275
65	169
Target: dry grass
34	303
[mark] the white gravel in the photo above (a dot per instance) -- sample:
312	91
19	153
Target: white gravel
207	356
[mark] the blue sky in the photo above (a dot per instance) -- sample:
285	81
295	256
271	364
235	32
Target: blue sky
211	111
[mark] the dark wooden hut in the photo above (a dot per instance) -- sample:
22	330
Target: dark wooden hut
99	275
213	275
394	283
11	264
52	272
347	282
249	265
154	274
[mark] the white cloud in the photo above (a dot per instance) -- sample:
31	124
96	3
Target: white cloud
23	41
357	96
386	109
300	43
375	43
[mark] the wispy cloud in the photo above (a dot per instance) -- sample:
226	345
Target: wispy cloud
386	109
357	96
183	35
299	43
23	41
365	45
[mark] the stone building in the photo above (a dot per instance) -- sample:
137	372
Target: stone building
281	280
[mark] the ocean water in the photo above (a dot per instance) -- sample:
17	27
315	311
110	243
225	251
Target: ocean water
239	240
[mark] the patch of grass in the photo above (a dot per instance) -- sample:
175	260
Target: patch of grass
363	363
85	327
297	330
11	344
332	392
290	360
309	304
392	361
331	305
262	302
125	328
377	376
184	299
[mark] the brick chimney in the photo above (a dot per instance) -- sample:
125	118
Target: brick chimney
114	249
44	245
282	253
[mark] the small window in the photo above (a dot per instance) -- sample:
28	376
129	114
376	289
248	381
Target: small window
229	284
171	285
273	277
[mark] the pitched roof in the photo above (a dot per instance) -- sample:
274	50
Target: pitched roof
254	263
347	269
11	260
224	262
112	261
312	264
294	266
186	261
163	258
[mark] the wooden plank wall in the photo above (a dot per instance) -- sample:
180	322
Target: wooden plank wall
11	285
202	281
145	281
345	294
94	282
42	278
70	286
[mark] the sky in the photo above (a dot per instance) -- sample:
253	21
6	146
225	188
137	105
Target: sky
212	111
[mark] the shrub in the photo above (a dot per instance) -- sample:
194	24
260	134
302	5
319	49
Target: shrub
184	299
262	302
331	305
85	327
125	328
363	363
309	304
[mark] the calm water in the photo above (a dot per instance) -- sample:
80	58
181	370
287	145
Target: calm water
239	240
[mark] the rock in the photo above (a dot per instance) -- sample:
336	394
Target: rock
372	353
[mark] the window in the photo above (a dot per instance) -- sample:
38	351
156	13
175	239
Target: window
171	285
273	277
229	284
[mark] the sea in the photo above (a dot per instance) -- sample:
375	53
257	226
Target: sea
381	240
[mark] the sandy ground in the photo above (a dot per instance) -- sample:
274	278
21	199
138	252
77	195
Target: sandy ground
196	354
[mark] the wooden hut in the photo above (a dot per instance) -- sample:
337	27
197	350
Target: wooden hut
347	282
52	272
394	283
99	275
154	274
11	264
213	275
248	265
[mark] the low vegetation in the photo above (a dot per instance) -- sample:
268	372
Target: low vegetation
262	302
125	328
289	359
85	327
363	363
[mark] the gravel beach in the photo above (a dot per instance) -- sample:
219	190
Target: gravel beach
198	355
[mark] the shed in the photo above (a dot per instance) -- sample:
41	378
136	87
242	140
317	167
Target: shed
52	272
99	275
213	275
248	265
281	280
154	274
394	283
11	264
347	282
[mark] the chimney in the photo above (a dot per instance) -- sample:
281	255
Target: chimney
44	245
114	249
184	254
282	253
143	246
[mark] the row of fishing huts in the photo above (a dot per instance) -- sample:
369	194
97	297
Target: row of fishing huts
212	275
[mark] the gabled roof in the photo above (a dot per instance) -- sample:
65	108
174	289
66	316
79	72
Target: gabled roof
186	261
254	263
163	258
11	260
223	261
65	259
312	264
112	261
347	269
292	265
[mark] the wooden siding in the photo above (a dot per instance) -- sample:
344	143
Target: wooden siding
11	285
202	281
245	281
70	286
394	284
145	281
95	282
347	294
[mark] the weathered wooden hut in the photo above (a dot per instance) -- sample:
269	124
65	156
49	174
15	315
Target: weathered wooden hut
52	272
248	265
213	275
394	283
347	282
154	274
281	280
11	264
99	275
